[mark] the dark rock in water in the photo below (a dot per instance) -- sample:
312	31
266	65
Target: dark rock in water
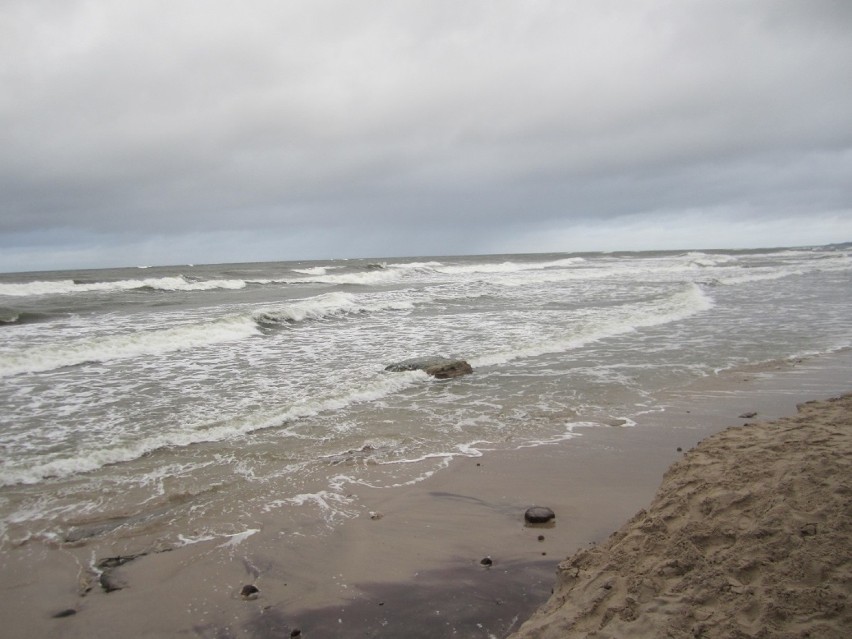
487	561
541	537
539	515
110	582
119	560
68	612
438	367
748	415
451	369
249	591
295	632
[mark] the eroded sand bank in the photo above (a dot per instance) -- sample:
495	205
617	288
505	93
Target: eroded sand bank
750	535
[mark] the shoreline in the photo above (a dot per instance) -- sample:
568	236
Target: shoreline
415	570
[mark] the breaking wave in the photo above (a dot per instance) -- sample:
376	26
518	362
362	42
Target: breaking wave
616	320
71	287
189	336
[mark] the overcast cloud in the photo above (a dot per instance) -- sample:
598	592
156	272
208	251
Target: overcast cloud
163	132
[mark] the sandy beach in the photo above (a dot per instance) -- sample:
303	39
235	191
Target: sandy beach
411	562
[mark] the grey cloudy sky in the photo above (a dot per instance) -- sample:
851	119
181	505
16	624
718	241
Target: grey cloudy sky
163	132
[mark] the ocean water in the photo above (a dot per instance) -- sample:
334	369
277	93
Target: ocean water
179	401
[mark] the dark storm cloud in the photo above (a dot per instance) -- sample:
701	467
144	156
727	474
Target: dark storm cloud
413	120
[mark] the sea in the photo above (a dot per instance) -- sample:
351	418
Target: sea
179	401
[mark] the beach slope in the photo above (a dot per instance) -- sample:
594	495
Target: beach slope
749	535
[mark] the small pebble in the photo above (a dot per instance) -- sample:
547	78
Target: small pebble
486	561
65	613
295	632
679	449
541	537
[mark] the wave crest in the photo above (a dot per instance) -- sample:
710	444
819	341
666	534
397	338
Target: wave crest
71	287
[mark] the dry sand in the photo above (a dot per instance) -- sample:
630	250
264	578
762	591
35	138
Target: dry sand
750	535
416	571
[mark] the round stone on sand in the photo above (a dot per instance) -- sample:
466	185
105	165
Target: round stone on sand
539	515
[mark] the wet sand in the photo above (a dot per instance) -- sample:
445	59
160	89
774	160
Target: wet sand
410	563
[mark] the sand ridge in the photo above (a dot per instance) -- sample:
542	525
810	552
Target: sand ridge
749	535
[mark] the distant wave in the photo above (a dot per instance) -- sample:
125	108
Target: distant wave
828	264
389	272
315	270
697	258
756	276
10	316
231	328
364	278
327	305
507	267
371	275
70	287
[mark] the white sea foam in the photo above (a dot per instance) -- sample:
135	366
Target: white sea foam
189	541
236	539
189	434
332	505
612	321
122	346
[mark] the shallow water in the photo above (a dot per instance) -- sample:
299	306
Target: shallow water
177	400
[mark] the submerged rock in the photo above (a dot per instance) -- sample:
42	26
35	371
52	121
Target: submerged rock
110	582
539	515
68	612
438	367
249	591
